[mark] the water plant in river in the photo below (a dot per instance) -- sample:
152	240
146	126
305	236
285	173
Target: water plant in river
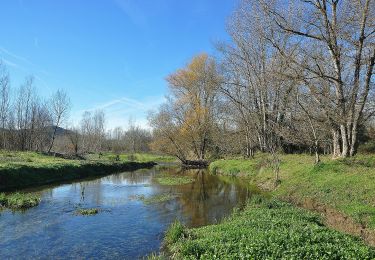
18	200
158	198
265	229
174	180
87	212
153	199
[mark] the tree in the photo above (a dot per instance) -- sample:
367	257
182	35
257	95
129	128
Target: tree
333	41
186	123
4	102
60	106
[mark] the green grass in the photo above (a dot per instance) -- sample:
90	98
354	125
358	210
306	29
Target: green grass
87	212
174	180
23	169
158	198
265	230
136	157
348	185
18	200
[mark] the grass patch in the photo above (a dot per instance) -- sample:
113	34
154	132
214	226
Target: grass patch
129	157
347	185
265	229
18	200
87	212
158	198
175	180
23	169
175	232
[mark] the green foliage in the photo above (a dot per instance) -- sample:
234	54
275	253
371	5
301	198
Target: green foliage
348	185
174	180
158	198
18	200
175	232
87	212
23	169
126	157
266	229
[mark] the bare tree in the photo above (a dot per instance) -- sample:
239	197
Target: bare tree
334	43
4	102
60	106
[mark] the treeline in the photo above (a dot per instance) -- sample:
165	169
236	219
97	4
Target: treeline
296	76
30	123
92	137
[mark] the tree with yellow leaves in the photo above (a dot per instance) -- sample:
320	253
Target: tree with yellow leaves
183	127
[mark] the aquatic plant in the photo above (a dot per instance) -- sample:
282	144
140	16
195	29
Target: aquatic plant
18	200
87	212
158	198
174	180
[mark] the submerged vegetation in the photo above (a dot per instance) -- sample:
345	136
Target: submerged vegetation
87	212
265	229
174	180
18	200
158	198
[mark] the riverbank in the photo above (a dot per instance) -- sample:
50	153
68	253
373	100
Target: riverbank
24	169
265	229
342	189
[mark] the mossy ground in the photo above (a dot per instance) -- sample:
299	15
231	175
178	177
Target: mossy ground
347	185
265	229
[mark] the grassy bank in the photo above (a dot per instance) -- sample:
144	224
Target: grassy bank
24	169
16	201
135	157
346	185
265	230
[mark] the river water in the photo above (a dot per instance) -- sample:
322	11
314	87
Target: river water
126	227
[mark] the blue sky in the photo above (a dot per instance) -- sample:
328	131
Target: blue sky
107	54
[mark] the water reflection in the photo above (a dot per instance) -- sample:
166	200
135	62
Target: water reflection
127	228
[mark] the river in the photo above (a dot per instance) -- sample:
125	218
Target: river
126	227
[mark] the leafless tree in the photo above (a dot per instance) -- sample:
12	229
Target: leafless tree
60	106
333	41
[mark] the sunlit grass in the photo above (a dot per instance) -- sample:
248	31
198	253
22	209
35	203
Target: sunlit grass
126	157
18	200
174	180
347	185
265	229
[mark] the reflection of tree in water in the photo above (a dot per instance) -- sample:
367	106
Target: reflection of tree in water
208	198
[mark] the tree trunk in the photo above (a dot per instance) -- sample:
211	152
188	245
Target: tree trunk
336	143
353	144
344	141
